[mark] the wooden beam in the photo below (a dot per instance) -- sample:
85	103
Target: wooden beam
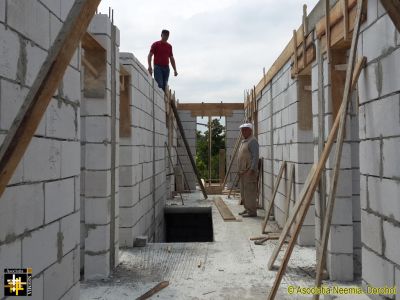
90	67
43	88
335	16
223	209
393	9
328	31
154	290
296	64
289	191
345	9
304	27
89	42
339	122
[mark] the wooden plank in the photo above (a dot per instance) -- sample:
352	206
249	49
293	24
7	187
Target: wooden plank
328	31
237	144
269	236
289	191
339	122
345	9
43	88
89	42
296	64
393	9
357	71
335	17
291	219
304	26
271	202
223	209
154	290
189	152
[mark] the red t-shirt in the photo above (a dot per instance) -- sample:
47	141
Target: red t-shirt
162	52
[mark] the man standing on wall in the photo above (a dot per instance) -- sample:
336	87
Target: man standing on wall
162	52
248	169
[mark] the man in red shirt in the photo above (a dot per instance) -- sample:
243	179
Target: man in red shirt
162	52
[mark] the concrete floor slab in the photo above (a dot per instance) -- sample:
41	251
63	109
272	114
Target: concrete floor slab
231	267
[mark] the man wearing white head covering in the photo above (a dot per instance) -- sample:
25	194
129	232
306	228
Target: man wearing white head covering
248	169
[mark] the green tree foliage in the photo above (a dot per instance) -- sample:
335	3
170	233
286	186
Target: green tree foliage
218	142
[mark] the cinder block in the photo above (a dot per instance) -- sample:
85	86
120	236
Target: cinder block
342	213
389	65
59	199
368	83
371	231
375	270
61	120
97	156
97	183
31	19
70	158
2	10
35	58
125	237
378	38
391	235
391	161
39	250
58	279
341	239
369	152
11	96
10	256
53	6
380	116
98	238
97	210
97	266
10	42
382	195
357	244
97	129
14	205
70	230
340	267
306	236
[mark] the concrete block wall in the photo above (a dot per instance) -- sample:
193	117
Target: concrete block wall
231	135
344	245
39	210
283	114
100	158
379	131
144	161
189	125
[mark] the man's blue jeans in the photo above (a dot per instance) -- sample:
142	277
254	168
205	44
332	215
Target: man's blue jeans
161	74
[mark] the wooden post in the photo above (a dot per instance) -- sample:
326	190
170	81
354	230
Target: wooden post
182	132
289	191
221	164
43	88
339	122
237	144
345	8
296	64
304	30
328	31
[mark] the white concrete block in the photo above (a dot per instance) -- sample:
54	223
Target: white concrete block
96	107
97	129
98	238
59	199
125	237
71	87
11	96
2	10
10	256
53	6
371	231
9	42
340	267
391	161
31	19
66	6
42	160
34	60
341	239
97	156
70	230
70	158
381	115
14	205
97	183
97	210
375	270
391	234
58	279
390	71
73	293
342	213
369	154
383	197
100	24
97	266
39	250
379	38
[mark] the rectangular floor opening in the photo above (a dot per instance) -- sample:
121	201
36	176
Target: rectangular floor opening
188	224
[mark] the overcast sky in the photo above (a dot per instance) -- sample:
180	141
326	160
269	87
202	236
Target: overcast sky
220	47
